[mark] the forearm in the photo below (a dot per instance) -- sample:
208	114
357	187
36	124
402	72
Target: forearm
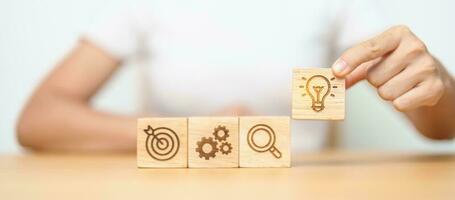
54	123
438	121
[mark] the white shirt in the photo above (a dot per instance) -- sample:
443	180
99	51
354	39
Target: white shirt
200	56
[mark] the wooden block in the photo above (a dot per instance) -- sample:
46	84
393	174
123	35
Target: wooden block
317	94
162	143
265	142
213	142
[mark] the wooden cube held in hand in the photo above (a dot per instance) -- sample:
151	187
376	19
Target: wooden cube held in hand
317	94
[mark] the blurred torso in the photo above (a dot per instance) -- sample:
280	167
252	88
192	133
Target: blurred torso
205	55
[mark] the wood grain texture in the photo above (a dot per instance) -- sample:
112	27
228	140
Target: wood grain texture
316	175
201	134
166	146
265	142
308	103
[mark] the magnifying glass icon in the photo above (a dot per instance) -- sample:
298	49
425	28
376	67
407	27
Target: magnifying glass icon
269	145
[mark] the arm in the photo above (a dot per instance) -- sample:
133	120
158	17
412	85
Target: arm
399	65
59	117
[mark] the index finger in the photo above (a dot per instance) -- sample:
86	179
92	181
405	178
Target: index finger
367	51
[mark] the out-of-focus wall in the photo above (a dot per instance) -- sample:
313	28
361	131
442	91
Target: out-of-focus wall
34	35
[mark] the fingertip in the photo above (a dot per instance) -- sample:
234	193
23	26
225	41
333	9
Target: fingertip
340	68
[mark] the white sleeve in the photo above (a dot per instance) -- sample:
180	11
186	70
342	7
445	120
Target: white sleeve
120	34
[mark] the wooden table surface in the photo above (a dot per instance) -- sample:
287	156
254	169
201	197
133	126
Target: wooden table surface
328	175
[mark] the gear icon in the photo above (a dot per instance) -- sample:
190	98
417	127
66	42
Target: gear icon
213	150
216	133
226	148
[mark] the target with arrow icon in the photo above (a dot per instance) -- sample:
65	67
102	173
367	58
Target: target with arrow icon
162	143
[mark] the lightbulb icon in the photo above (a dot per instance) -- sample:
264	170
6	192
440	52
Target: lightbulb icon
318	87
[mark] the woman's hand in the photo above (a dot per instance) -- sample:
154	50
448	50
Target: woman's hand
399	65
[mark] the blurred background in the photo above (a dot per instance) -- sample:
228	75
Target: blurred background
36	34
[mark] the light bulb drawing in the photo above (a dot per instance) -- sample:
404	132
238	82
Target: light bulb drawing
318	88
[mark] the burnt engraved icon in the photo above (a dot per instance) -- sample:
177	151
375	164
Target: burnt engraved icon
208	147
318	88
265	146
162	143
226	148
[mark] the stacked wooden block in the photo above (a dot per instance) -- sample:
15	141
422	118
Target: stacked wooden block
259	141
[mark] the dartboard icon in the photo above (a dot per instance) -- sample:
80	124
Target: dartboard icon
162	143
